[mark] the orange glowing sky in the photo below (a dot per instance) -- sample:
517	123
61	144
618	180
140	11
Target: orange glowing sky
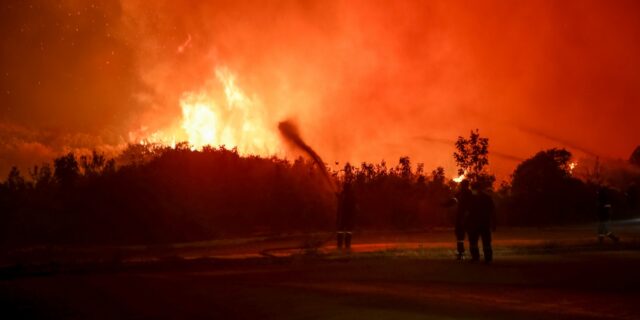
364	80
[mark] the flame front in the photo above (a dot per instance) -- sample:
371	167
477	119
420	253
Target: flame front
199	121
237	122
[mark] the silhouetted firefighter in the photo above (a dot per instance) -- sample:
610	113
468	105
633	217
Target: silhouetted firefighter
604	215
346	215
480	222
632	196
463	200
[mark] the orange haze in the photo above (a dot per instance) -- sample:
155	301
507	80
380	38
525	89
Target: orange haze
365	80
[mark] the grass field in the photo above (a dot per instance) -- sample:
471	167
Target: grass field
559	273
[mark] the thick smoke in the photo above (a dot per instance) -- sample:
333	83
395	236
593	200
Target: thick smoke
291	134
562	142
362	77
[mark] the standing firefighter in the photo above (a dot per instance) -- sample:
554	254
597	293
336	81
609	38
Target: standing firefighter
345	216
480	222
632	196
463	199
604	215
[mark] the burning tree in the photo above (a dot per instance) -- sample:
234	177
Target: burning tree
472	157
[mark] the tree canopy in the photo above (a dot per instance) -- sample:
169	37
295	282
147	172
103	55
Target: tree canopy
472	158
544	192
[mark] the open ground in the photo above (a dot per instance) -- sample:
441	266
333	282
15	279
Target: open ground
553	273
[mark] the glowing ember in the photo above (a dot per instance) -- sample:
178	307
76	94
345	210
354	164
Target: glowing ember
460	178
572	166
185	45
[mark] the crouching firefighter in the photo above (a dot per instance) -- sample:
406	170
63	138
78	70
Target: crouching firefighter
480	222
346	215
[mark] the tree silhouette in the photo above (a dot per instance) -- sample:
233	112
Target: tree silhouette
15	181
175	194
42	176
438	176
635	157
544	192
96	164
472	157
66	169
404	167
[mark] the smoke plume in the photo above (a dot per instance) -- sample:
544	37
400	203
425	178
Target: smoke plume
361	77
291	134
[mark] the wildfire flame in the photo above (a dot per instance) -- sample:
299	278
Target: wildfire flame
460	178
572	166
238	121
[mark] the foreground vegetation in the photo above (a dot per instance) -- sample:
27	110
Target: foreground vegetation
153	194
